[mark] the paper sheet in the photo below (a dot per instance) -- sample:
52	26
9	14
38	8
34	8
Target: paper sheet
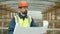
31	30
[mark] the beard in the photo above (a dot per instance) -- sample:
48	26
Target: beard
25	12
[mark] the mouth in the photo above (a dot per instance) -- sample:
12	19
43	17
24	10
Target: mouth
25	12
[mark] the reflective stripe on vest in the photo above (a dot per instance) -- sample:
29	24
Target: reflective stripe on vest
23	23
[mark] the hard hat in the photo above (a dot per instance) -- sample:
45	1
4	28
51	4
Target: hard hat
22	3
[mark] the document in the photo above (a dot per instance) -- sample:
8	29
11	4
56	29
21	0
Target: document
31	30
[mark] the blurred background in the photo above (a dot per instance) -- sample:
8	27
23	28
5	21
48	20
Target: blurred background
39	9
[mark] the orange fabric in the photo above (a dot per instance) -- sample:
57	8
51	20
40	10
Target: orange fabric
22	3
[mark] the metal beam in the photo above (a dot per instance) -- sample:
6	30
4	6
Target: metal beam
3	20
3	28
35	2
54	0
32	5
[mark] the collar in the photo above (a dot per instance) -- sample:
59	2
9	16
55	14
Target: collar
22	16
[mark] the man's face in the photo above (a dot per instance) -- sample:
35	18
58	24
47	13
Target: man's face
23	9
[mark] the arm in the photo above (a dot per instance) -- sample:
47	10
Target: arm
11	26
33	24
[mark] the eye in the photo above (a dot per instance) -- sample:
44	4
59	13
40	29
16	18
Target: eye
20	7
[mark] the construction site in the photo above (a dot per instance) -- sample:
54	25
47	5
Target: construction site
39	10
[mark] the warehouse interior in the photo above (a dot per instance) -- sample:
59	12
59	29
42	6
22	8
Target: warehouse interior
39	10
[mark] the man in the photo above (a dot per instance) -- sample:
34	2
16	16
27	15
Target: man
22	18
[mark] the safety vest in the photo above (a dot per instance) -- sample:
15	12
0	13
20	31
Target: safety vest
23	23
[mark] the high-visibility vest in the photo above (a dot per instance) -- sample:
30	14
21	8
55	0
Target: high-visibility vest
23	23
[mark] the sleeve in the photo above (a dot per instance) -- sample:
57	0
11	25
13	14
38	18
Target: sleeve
11	26
33	24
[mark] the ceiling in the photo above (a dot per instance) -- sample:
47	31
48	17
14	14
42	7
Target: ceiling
34	0
34	5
